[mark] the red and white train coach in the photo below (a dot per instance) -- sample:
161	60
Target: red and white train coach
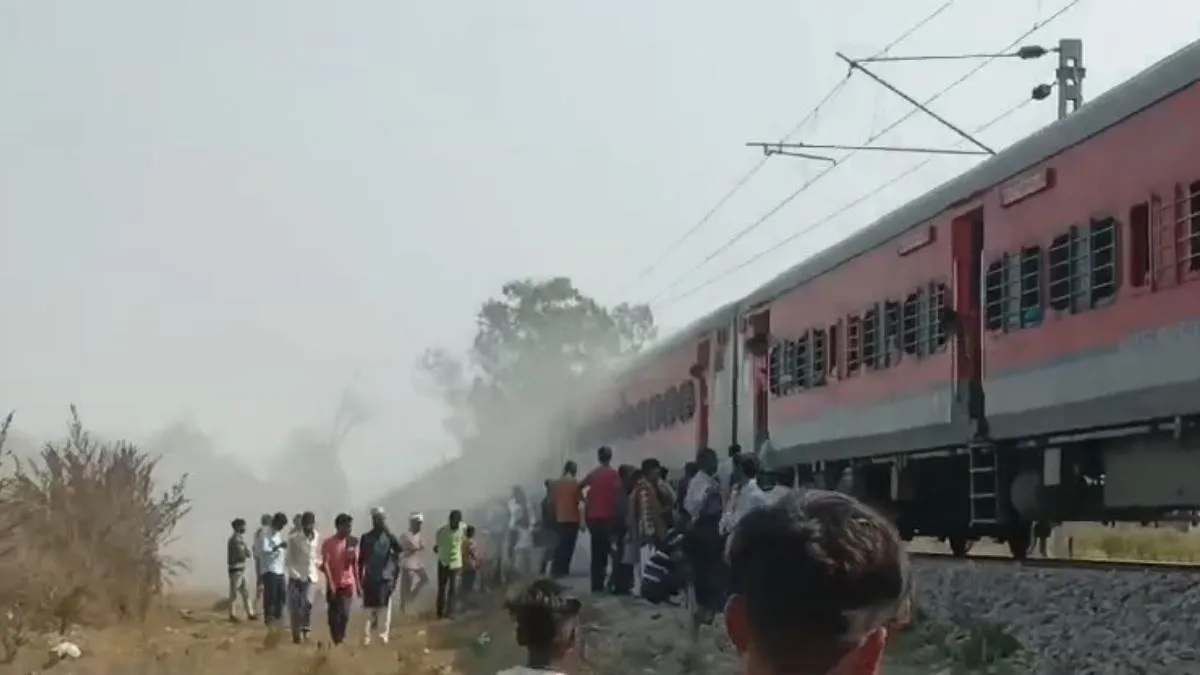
1021	343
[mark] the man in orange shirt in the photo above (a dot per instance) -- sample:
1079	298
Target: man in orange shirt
566	498
339	560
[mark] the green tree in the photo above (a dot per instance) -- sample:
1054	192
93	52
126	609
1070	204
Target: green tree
533	344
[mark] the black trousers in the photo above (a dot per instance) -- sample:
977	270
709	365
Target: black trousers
564	549
274	597
447	587
338	606
600	532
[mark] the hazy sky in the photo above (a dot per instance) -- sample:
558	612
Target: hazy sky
220	210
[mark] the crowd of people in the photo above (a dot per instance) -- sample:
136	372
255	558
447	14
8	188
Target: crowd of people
289	566
808	581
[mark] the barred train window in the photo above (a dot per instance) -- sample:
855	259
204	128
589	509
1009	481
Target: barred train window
787	362
891	333
773	368
1103	260
800	360
833	347
1030	301
1194	226
936	325
994	286
910	317
817	375
853	345
870	338
1082	267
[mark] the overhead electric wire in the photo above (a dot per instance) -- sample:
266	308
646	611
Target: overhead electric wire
837	212
741	182
826	171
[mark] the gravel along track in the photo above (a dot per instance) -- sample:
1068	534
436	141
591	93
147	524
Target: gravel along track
1072	619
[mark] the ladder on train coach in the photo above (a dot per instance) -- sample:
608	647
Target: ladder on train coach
983	484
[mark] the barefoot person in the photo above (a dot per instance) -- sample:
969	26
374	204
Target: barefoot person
413	577
546	622
378	551
339	560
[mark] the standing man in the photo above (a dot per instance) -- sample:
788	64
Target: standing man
237	555
703	543
449	550
303	566
728	473
547	530
264	528
274	580
603	493
566	519
378	551
339	560
413	576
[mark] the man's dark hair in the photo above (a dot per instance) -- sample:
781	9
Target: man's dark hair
749	465
543	612
343	519
279	520
818	572
735	450
308	518
690	469
456	514
238	523
604	454
650	464
570	468
470	531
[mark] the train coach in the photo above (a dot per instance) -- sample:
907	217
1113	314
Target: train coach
1019	344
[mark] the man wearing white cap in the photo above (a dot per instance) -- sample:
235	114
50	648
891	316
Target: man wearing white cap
378	551
413	576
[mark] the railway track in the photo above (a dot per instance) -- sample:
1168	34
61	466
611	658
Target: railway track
1063	563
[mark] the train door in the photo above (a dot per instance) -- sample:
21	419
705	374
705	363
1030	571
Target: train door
722	385
966	243
753	392
701	373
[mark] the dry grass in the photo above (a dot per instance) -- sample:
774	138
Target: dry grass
82	530
1142	544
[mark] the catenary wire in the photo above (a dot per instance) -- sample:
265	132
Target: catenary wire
804	187
837	212
741	182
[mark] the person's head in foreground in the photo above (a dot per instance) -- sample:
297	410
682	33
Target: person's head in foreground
455	519
817	581
344	523
545	616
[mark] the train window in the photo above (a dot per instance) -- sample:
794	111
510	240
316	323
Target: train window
1030	303
670	407
853	345
816	377
1059	272
870	338
910	317
1194	226
775	368
995	285
787	366
801	367
833	350
891	333
938	299
1139	244
688	396
1103	260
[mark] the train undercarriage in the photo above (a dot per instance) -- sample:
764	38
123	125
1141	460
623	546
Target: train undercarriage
998	491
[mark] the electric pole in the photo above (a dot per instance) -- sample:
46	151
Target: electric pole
1070	76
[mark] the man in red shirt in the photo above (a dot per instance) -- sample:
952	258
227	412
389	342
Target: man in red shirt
339	560
603	490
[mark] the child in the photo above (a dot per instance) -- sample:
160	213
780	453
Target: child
546	619
472	564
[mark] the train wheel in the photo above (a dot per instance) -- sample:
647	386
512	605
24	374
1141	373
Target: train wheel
960	546
1019	541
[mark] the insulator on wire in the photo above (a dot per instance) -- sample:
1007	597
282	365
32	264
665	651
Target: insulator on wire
1032	52
1041	92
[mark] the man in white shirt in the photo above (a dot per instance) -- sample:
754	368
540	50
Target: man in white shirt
745	497
271	552
303	570
256	547
413	576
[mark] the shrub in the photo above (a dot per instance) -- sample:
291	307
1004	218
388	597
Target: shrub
82	533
